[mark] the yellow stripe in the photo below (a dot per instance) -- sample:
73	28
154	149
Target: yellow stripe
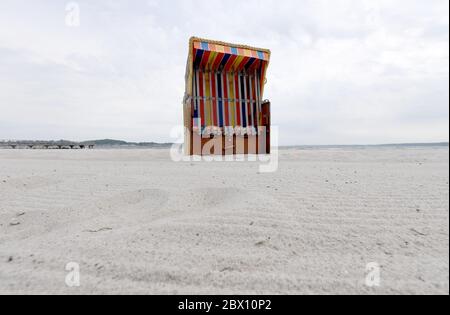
212	58
237	62
247	53
220	48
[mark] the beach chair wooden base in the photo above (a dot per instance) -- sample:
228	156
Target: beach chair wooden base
228	145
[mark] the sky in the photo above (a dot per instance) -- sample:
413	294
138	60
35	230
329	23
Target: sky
341	72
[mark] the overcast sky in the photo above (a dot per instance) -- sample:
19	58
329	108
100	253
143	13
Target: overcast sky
342	71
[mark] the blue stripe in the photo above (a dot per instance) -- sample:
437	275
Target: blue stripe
221	58
225	60
260	55
249	63
198	58
205	46
234	51
219	90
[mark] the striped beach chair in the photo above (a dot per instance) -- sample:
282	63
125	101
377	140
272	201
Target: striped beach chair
224	98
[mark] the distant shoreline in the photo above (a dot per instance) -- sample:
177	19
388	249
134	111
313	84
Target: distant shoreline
119	144
60	144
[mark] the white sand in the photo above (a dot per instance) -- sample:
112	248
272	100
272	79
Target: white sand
165	227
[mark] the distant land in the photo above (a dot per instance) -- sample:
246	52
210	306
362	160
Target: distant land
116	143
103	143
111	143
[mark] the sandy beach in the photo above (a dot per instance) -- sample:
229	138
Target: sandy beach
136	222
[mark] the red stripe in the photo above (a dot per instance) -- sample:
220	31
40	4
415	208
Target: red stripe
230	63
255	65
205	59
213	93
262	79
243	63
238	104
218	60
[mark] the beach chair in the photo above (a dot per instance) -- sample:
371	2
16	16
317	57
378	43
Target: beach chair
224	111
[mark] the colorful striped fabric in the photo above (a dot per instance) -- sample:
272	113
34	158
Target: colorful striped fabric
226	100
225	85
215	57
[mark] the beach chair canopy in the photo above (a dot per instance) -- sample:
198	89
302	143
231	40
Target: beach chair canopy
224	84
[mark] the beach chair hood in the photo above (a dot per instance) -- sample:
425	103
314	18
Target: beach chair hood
224	84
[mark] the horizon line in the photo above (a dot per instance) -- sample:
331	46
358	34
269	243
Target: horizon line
441	143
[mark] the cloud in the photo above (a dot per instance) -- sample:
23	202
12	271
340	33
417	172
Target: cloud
347	71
